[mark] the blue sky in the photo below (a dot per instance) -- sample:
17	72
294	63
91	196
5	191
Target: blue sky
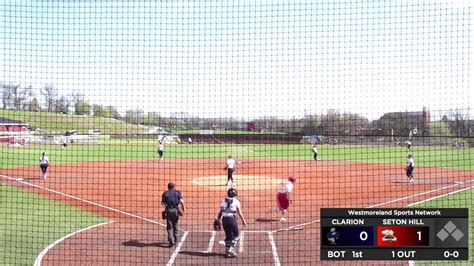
245	59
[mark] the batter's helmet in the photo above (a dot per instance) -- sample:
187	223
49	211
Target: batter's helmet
409	155
232	193
292	179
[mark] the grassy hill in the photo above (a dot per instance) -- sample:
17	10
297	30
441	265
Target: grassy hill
55	123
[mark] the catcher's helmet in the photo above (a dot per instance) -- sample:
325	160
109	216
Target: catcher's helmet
232	193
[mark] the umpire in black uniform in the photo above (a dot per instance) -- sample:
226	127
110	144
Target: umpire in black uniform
171	199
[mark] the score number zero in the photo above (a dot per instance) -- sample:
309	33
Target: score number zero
453	254
363	235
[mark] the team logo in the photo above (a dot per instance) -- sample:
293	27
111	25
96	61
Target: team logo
332	236
388	236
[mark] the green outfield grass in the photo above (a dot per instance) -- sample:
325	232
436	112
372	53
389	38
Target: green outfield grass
111	150
459	200
29	223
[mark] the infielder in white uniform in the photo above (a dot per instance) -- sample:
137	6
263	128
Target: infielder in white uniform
315	152
410	168
44	163
230	167
408	144
161	150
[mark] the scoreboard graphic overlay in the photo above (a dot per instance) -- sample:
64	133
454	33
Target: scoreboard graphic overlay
394	234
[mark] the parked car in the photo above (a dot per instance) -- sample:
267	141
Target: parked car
95	132
70	132
313	139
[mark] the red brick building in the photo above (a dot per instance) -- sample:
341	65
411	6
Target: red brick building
12	126
9	128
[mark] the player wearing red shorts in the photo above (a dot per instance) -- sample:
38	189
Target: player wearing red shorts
283	197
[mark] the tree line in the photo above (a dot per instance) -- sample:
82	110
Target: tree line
26	98
454	123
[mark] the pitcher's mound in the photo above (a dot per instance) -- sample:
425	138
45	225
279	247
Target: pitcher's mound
241	181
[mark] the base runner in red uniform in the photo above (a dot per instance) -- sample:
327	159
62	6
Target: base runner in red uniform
283	197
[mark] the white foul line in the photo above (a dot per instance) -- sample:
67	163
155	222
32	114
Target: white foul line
40	257
270	233
241	242
246	231
211	242
178	248
84	200
412	196
412	262
440	196
274	249
379	204
294	226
